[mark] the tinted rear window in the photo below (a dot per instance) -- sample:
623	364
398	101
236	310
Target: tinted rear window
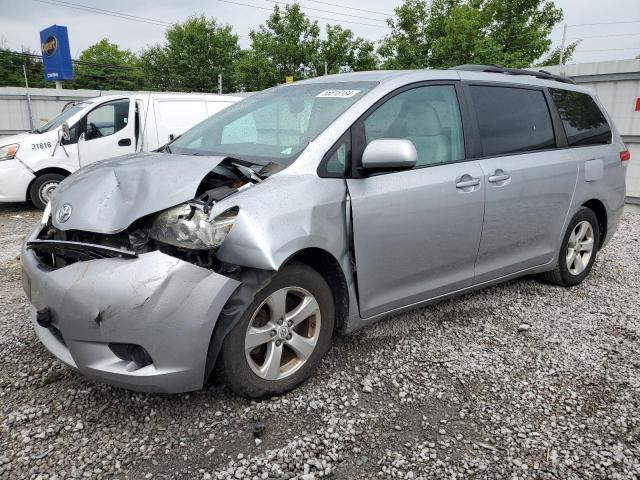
583	121
512	120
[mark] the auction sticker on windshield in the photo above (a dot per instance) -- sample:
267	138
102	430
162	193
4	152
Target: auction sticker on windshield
338	93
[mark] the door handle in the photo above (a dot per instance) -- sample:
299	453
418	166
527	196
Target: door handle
499	176
474	182
124	142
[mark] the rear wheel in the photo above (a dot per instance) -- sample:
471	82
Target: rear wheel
282	337
578	250
42	188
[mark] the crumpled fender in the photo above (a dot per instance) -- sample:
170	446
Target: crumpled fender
283	215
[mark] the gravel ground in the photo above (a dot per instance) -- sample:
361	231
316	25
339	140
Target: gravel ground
522	380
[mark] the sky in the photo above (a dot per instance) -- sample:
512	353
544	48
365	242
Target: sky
616	35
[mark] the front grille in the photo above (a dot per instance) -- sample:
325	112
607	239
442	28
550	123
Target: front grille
56	248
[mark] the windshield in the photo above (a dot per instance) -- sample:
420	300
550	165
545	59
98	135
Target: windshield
274	125
63	117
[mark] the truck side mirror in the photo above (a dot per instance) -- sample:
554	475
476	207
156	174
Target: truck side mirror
66	133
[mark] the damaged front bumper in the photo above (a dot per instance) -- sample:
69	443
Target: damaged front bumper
167	306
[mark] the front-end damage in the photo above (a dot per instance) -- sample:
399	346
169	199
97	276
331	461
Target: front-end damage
137	307
137	224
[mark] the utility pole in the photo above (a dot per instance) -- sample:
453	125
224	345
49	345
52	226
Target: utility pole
562	47
26	84
220	83
325	67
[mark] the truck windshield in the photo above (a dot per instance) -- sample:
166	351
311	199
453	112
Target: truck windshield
274	125
63	117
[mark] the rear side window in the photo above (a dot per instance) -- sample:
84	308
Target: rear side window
512	120
584	122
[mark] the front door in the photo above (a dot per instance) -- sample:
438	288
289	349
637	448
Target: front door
416	233
108	132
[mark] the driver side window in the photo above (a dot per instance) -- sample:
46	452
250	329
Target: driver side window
429	116
107	119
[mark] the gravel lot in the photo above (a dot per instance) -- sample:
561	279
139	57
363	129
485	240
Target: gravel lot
522	380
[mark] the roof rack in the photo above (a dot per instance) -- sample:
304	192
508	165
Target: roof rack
513	71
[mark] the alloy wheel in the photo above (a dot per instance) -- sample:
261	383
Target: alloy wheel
283	333
580	247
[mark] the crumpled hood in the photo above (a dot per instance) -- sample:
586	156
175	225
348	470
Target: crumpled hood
108	196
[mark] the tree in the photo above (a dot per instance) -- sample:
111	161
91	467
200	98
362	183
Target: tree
341	49
194	54
445	33
290	41
104	66
11	72
553	58
254	71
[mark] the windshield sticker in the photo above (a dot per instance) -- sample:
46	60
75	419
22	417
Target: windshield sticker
338	93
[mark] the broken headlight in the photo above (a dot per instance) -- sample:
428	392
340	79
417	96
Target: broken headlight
188	226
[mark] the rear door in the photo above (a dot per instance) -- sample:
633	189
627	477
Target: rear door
109	131
416	232
529	180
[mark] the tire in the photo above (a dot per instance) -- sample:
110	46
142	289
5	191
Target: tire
42	187
569	275
295	285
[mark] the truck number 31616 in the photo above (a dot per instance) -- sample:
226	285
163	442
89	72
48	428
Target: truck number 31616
38	146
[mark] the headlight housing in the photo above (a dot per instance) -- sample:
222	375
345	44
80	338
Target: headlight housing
188	226
9	152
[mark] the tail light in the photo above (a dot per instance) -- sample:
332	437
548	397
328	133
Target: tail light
625	157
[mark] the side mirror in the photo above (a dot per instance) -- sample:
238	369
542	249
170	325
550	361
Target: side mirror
66	134
389	154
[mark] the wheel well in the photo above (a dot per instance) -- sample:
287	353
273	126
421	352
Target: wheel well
44	171
326	265
597	207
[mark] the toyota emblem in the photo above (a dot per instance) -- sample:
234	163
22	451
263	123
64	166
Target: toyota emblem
63	213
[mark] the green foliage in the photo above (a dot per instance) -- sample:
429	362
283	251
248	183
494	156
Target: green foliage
254	71
424	34
11	73
194	54
290	41
104	66
553	58
445	33
341	49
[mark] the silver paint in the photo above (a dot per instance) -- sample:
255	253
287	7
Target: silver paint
419	236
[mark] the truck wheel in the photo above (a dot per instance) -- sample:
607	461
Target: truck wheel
578	250
282	337
42	188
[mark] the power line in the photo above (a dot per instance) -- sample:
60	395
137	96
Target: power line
112	13
327	11
352	8
602	23
310	16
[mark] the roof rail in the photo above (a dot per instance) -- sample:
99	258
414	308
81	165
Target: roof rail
513	71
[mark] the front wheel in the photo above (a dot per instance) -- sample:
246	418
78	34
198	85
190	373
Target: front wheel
578	250
282	337
42	188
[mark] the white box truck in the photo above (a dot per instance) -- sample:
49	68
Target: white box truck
32	164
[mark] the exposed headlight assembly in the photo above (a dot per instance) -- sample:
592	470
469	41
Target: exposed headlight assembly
9	152
188	226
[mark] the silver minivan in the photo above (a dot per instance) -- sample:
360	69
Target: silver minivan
312	209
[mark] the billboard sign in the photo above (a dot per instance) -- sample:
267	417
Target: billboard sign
56	57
